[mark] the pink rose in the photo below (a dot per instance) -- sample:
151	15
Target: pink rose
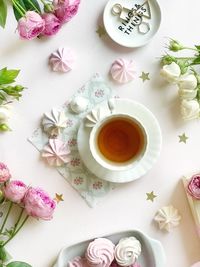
38	204
15	191
65	9
31	25
194	186
52	24
4	173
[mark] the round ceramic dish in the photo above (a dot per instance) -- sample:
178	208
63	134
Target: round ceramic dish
152	128
125	33
152	251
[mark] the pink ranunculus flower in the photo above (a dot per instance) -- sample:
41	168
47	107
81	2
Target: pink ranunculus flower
38	204
194	186
4	173
31	25
15	191
65	10
52	24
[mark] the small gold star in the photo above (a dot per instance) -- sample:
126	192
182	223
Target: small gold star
101	31
59	198
183	138
151	196
144	76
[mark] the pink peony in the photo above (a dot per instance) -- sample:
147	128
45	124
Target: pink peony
65	10
52	24
15	191
38	204
31	25
4	173
194	186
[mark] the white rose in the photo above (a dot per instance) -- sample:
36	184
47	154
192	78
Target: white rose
5	113
187	81
171	72
190	109
187	94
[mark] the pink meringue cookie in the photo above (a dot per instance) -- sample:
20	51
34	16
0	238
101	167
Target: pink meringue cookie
56	152
62	60
122	70
100	253
78	262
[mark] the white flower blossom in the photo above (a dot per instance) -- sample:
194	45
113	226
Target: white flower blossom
5	113
190	109
171	72
187	94
187	81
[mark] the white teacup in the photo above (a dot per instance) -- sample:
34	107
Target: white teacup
110	164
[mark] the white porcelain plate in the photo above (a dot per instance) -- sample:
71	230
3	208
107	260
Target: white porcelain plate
150	123
127	32
152	251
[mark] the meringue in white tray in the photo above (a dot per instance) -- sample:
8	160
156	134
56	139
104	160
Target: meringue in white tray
152	251
79	104
62	60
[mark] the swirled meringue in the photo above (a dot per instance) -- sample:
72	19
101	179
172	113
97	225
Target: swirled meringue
62	60
54	121
78	262
56	152
122	70
93	117
100	253
127	251
79	104
167	218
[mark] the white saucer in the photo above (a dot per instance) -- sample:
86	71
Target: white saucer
152	128
128	35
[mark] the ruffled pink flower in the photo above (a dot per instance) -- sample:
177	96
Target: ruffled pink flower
65	10
38	204
4	173
31	25
52	24
15	191
194	186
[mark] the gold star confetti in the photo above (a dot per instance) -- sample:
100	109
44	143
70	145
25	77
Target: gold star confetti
101	31
144	76
183	138
59	198
151	196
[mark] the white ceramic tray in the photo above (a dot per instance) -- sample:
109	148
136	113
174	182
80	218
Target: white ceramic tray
152	251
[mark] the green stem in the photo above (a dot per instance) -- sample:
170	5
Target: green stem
19	8
19	218
43	2
14	234
36	9
5	219
190	48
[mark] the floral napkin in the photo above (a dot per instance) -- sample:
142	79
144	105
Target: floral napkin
90	187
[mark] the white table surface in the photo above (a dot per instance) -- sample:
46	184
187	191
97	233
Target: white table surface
39	242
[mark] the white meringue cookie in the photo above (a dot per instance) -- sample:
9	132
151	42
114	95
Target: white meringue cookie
127	251
62	60
167	218
122	70
93	117
54	121
79	104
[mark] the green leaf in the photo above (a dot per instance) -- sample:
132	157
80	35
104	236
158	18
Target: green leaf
18	264
3	13
197	47
8	76
196	61
27	6
4	128
3	254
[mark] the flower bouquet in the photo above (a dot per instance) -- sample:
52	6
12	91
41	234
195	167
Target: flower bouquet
8	92
26	202
36	19
181	72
